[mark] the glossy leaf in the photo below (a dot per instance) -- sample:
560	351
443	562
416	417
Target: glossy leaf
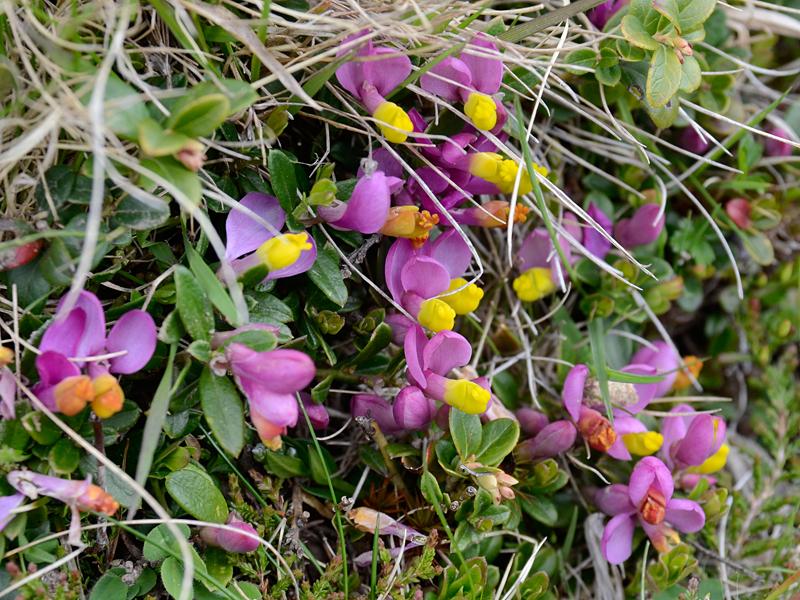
663	77
497	441
223	410
197	494
466	432
193	305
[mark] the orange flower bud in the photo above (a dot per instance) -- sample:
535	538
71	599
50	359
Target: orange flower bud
108	396
596	430
73	393
654	507
694	365
97	499
411	223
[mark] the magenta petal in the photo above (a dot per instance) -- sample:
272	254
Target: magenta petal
642	228
593	241
398	256
447	78
400	325
536	250
424	276
8	504
389	72
8	394
685	515
777	147
243	233
54	367
135	332
452	251
673	429
614	500
572	392
278	408
301	265
487	73
351	74
368	207
92	339
377	408
280	371
65	336
645	392
414	345
664	360
649	472
412	409
445	351
617	542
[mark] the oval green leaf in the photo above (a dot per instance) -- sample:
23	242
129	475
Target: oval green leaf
223	410
193	305
197	494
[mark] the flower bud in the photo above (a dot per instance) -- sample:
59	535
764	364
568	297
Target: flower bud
596	430
494	213
739	210
412	410
376	408
555	438
393	121
6	356
317	414
108	396
777	147
231	541
682	381
191	155
531	421
98	500
73	394
692	141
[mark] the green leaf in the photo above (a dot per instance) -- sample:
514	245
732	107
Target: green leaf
623	377
218	565
197	494
155	421
326	276
690	74
163	537
749	152
634	31
172	574
259	340
540	508
597	339
176	174
140	215
663	117
608	76
692	14
199	116
223	411
585	57
193	305
381	337
123	108
64	456
758	247
157	141
213	287
663	77
108	586
497	441
466	433
430	488
240	94
283	179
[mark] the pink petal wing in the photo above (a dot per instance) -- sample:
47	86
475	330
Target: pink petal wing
134	332
445	351
243	233
685	515
617	542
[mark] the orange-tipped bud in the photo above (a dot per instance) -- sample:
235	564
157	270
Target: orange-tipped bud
495	213
108	396
6	356
596	430
97	499
410	222
73	394
694	365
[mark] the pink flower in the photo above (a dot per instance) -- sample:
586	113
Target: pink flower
693	442
552	440
601	14
430	361
376	408
368	207
62	385
777	147
647	501
246	236
270	381
661	358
